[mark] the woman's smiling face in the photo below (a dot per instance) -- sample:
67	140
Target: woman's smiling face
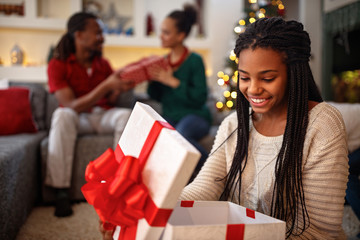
263	80
170	35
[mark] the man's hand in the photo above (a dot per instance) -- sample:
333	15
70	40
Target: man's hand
114	83
113	96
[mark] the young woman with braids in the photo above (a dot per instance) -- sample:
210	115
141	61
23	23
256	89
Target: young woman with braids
286	156
284	151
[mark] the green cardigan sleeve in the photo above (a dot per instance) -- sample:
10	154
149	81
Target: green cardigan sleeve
193	88
189	97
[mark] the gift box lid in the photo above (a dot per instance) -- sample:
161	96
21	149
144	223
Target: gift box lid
171	157
168	167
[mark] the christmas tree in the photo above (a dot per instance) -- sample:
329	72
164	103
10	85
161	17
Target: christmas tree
227	79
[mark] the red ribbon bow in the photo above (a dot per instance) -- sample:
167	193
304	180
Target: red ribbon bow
116	190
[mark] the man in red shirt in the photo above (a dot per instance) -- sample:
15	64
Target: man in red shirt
86	88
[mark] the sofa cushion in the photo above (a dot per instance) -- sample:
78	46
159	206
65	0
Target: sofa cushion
15	112
38	99
126	100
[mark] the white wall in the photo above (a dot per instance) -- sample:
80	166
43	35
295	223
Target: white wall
292	10
309	13
223	17
311	17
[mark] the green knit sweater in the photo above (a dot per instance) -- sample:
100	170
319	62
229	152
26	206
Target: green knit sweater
189	97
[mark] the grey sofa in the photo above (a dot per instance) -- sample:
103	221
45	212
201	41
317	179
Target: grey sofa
23	162
20	168
88	147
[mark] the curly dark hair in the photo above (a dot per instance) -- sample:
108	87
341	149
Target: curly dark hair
66	45
289	39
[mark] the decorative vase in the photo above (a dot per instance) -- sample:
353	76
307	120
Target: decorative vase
16	55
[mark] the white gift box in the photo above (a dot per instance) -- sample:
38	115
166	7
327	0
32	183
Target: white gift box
168	167
220	220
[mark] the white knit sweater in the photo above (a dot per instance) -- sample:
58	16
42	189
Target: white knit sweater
325	171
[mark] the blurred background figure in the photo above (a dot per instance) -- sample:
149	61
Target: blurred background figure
86	88
182	89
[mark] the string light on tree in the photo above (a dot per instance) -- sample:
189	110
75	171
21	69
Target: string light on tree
227	79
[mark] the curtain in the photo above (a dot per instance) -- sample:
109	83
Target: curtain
344	19
339	21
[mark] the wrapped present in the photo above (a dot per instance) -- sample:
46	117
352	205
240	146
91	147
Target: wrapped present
140	71
137	186
221	220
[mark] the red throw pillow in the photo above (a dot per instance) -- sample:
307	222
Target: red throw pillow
15	112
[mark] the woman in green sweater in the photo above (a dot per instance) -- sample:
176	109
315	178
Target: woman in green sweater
182	88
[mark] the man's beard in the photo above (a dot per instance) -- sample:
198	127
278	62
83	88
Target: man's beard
95	53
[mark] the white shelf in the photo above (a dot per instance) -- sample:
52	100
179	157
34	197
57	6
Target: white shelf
138	41
130	41
32	23
24	74
32	20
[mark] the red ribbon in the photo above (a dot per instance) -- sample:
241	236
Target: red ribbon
184	203
116	190
235	231
250	213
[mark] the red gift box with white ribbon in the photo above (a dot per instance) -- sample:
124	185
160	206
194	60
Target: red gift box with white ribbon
207	220
137	186
140	71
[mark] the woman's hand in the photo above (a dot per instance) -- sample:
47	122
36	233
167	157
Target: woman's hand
159	74
163	76
106	234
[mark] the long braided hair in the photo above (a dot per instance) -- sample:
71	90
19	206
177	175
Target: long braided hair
289	39
66	45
